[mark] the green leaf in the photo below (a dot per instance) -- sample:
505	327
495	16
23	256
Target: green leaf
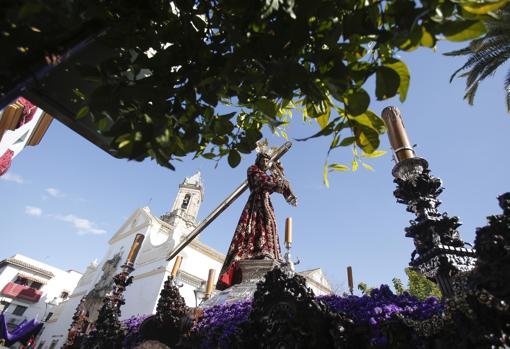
354	165
267	106
367	166
347	141
102	124
338	167
82	112
357	102
320	111
334	142
401	69
325	175
387	82
483	7
367	139
234	158
462	31
374	154
323	119
371	120
124	143
427	39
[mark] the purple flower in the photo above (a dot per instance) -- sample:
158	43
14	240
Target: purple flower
220	321
132	325
381	308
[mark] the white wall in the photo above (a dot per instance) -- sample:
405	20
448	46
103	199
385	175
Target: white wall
62	280
151	270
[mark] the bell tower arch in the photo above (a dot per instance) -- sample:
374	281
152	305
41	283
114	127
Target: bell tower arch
188	201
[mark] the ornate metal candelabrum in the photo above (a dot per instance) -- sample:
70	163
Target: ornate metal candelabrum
107	327
439	252
288	264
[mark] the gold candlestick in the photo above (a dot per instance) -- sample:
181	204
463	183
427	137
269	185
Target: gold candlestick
288	230
210	282
397	134
349	279
135	248
177	266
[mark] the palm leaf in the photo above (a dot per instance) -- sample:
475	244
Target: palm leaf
486	55
507	90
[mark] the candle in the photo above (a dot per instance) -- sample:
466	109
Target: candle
177	266
137	243
349	278
397	134
210	281
288	230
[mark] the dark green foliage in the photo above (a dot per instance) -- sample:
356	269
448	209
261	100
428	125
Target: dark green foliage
171	65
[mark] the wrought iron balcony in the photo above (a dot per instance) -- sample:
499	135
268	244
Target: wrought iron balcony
21	292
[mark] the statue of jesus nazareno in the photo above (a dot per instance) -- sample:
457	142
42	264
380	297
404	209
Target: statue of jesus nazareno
256	236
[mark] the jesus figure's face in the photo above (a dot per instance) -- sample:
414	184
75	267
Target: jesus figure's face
263	163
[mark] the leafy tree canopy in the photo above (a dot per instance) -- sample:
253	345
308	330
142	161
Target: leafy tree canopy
174	63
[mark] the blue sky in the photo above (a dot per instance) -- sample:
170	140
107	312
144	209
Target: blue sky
63	200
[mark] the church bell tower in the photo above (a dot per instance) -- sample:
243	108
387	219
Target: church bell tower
187	202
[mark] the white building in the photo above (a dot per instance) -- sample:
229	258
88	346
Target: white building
151	267
30	289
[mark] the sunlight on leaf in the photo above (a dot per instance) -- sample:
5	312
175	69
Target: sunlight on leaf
374	154
367	166
471	32
338	167
326	182
483	8
405	77
354	165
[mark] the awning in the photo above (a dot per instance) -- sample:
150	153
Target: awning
33	278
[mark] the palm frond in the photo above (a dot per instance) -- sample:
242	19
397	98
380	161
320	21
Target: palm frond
479	59
462	52
485	55
507	90
470	93
482	70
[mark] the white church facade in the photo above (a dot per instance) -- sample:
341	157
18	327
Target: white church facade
152	268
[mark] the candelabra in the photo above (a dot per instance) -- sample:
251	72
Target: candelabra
288	264
439	252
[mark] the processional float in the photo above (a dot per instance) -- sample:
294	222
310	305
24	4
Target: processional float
474	282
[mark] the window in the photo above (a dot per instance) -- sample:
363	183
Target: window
36	285
4	305
185	202
21	281
19	310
